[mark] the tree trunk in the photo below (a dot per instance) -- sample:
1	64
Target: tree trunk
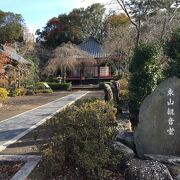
137	38
82	76
64	75
138	29
163	30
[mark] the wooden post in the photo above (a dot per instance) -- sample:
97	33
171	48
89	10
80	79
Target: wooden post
98	73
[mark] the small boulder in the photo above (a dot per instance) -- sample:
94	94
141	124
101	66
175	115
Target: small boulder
116	92
127	138
108	93
126	152
124	125
146	170
174	160
178	177
30	93
175	171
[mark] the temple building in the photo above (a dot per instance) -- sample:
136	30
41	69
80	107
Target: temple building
100	71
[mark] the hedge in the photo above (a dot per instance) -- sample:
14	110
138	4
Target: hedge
43	91
60	86
41	88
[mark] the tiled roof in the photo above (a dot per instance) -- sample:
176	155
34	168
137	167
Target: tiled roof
12	54
93	47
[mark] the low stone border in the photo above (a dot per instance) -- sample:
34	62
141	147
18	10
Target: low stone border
30	162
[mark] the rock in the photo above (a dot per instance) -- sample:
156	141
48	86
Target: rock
175	171
108	93
174	160
126	152
124	125
127	138
159	121
30	93
146	170
178	177
116	91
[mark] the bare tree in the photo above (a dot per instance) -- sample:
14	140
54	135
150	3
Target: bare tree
67	57
119	44
141	12
157	28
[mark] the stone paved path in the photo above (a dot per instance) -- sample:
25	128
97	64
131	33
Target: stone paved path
16	127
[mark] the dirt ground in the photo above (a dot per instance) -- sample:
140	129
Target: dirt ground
30	142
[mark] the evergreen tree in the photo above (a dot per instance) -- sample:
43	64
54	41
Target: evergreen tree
144	77
11	27
172	50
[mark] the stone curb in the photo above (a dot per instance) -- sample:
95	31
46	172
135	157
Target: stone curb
30	162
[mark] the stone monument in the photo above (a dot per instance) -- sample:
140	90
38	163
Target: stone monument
116	92
108	94
158	131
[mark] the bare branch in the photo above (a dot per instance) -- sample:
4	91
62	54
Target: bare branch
123	6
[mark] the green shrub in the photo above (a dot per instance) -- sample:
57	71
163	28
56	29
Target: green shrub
81	145
3	94
123	84
52	79
118	77
80	102
60	86
144	77
18	92
172	50
43	91
40	86
124	93
101	84
28	84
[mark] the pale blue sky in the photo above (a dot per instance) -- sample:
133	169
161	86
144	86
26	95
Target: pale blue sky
36	13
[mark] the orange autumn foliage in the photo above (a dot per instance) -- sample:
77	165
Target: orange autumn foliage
3	60
116	20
